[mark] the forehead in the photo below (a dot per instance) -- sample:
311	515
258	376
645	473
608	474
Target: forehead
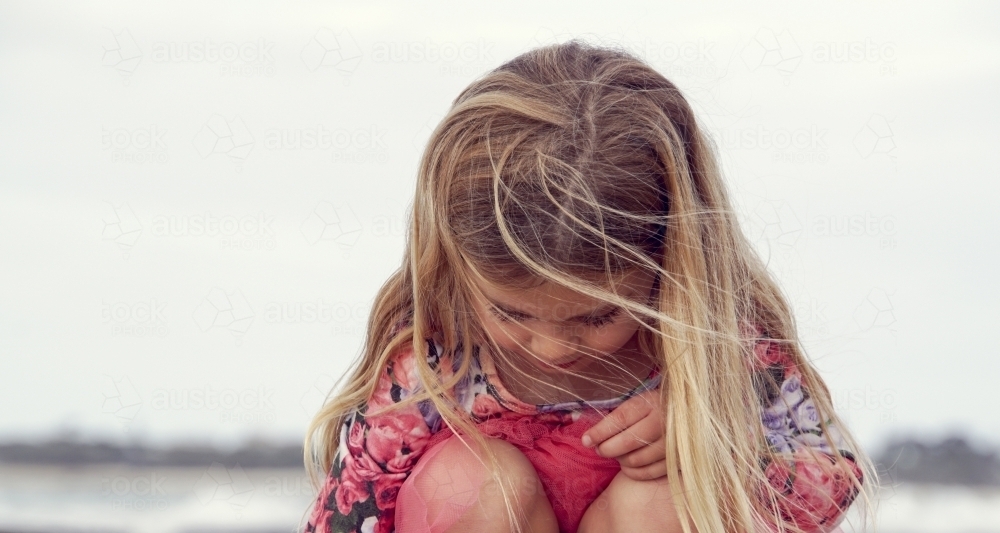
551	294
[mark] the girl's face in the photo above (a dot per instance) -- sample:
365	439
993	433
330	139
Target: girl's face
557	329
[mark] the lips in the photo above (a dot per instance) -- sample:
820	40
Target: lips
567	365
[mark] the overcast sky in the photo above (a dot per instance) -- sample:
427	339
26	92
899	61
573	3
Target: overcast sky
199	200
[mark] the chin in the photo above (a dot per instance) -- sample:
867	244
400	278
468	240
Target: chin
582	363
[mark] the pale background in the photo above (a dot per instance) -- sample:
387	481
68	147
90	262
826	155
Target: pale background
859	140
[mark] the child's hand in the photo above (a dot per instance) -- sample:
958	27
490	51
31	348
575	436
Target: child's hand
634	435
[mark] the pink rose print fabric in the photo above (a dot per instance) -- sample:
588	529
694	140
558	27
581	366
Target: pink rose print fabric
377	452
816	491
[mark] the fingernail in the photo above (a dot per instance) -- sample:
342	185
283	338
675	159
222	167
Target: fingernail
587	442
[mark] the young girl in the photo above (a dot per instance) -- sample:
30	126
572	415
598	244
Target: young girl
580	338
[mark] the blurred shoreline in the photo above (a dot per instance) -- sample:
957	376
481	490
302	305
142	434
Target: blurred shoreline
68	452
66	486
152	499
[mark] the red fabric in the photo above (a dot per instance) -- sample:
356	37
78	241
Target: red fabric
572	475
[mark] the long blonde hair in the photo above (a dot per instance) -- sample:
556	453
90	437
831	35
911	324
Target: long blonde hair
572	163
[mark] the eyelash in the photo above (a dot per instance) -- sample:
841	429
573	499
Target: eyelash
593	322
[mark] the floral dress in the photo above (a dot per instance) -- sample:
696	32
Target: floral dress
377	453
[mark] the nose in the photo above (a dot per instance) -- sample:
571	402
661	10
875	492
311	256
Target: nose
554	344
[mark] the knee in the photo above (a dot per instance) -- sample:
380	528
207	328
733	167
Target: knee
517	476
447	475
455	480
646	505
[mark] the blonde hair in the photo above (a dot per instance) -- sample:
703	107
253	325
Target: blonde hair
573	163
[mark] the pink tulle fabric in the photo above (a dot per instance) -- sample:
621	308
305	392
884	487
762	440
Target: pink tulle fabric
571	474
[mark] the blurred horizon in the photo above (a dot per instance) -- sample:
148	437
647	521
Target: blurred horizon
926	487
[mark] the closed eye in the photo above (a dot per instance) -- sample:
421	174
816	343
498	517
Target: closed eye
593	321
604	319
506	316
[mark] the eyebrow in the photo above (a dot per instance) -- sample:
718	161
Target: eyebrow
595	313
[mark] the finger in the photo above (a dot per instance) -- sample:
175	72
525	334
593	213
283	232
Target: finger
644	456
612	424
626	414
641	434
647	473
